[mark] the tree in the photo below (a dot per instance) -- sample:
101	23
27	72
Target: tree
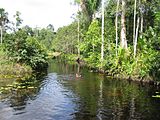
25	49
78	30
28	30
116	24
123	26
136	34
45	35
18	20
91	46
66	39
102	42
89	8
50	27
134	26
86	15
78	26
3	21
142	19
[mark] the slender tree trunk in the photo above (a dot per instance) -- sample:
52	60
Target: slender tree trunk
117	26
136	37
102	44
78	28
141	25
141	30
134	25
123	27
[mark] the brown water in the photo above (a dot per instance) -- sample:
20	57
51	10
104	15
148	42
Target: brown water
59	95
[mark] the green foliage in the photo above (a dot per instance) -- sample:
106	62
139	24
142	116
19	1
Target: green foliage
3	59
22	48
3	18
36	54
29	45
10	69
69	57
144	65
45	36
66	39
91	40
91	45
157	25
18	19
88	10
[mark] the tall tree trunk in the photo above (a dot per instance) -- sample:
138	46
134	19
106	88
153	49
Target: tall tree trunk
141	26
102	44
116	22
141	30
134	25
136	37
123	26
78	28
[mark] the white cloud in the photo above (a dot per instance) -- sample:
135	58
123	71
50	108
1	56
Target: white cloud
41	12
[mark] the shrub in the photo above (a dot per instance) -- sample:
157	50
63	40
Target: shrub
23	48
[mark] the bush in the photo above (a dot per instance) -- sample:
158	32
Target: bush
23	48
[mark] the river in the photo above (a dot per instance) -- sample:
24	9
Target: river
59	95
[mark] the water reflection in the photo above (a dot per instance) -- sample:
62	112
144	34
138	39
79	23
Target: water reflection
17	93
101	97
60	96
78	74
100	100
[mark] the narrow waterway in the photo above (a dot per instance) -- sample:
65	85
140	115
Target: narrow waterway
59	95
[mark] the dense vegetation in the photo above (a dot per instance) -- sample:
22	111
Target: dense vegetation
130	44
23	48
119	37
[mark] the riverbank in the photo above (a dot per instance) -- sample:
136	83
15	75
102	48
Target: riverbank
9	69
14	70
118	73
148	80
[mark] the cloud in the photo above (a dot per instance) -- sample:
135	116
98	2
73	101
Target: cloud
41	12
39	3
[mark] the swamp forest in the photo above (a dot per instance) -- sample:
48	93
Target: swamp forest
105	65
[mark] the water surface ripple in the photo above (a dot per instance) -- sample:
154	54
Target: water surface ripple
59	95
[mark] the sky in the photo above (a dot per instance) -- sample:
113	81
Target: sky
40	13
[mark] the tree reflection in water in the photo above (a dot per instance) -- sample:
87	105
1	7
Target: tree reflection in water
17	94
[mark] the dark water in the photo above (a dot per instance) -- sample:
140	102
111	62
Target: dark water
59	95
